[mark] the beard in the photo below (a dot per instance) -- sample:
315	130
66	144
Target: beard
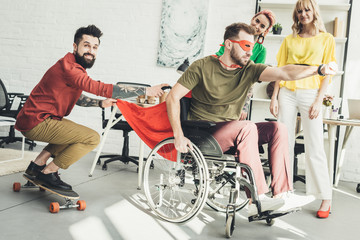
238	60
85	63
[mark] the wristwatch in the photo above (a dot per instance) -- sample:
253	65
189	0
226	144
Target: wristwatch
319	70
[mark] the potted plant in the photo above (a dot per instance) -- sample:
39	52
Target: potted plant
276	29
327	103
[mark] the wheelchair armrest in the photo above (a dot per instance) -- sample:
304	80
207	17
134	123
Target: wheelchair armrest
271	119
197	124
13	94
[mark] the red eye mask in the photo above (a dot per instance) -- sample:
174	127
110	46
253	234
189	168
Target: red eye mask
245	45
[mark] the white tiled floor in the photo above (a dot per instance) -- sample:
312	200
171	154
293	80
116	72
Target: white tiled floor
117	210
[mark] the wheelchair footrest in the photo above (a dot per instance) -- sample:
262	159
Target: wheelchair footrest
268	215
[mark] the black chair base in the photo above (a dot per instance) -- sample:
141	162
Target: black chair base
112	158
299	178
7	140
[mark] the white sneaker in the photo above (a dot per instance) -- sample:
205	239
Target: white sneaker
293	201
267	204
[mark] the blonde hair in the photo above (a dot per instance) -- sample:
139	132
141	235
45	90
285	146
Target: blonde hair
318	23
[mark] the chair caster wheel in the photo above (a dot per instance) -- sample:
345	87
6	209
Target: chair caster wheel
104	168
230	226
270	221
358	188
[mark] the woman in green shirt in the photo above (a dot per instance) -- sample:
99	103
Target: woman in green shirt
262	22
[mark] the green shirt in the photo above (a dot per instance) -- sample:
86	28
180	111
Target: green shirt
218	94
258	53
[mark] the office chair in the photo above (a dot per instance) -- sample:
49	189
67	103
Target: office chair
7	109
298	149
125	127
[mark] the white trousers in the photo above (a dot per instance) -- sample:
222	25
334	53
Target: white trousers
316	170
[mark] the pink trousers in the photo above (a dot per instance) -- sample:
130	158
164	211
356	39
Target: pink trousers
243	138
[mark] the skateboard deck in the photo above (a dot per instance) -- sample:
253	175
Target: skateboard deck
65	194
69	196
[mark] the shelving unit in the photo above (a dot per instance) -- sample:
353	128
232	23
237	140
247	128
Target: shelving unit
269	4
283	9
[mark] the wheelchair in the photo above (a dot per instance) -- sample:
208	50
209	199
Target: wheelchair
178	185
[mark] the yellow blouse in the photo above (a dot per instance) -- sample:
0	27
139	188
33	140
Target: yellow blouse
313	51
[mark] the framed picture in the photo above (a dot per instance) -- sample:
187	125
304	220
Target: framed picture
182	31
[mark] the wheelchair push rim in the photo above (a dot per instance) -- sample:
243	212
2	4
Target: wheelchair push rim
176	190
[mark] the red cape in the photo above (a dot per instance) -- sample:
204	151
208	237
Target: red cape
151	124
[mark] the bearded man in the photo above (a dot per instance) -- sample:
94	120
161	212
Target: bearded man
54	97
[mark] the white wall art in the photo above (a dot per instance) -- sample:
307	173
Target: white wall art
182	33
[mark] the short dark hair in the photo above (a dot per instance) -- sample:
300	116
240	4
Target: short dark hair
232	31
91	30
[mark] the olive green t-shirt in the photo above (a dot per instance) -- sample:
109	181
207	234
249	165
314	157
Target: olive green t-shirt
218	94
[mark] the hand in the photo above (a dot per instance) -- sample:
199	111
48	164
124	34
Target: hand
329	69
181	144
315	109
108	102
243	115
156	91
274	107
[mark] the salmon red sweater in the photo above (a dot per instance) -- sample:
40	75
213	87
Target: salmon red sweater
57	92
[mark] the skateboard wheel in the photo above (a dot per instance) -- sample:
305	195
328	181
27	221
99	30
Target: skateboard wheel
81	205
54	207
16	187
270	221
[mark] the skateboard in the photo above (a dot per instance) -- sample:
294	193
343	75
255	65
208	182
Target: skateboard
69	196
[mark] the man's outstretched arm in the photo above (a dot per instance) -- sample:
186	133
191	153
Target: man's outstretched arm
122	91
85	101
295	72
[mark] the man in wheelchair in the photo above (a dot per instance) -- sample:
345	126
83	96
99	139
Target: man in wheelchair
219	86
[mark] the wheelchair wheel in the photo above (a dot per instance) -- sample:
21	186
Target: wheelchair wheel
176	190
219	193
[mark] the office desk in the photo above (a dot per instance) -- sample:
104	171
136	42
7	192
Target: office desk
332	124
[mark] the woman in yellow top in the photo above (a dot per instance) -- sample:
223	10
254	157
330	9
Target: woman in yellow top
309	44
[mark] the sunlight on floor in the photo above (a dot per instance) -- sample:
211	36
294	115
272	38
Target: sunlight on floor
89	228
133	219
127	219
289	228
346	193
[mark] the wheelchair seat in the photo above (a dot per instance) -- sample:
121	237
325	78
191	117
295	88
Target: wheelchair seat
196	132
